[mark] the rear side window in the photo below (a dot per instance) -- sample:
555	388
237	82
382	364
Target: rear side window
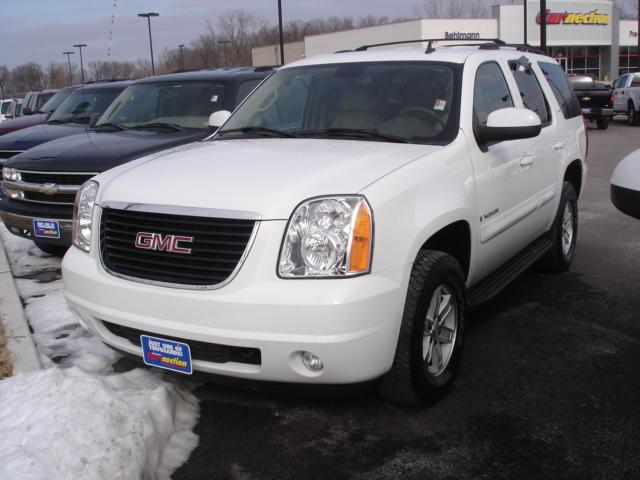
561	89
490	92
530	91
635	82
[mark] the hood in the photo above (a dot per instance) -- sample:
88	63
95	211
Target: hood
269	177
22	122
30	137
99	151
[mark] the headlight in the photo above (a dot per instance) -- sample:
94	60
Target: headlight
11	174
83	215
328	237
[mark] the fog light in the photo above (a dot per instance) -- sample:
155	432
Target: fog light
13	194
311	362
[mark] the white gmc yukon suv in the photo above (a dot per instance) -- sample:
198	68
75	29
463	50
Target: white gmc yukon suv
340	224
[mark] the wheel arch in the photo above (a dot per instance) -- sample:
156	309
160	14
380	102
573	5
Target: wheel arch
455	240
574	174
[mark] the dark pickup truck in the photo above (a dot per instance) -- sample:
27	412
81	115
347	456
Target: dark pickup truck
595	99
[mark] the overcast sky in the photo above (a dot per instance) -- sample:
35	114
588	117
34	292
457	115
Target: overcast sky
40	30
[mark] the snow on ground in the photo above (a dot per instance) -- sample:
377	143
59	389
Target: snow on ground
77	418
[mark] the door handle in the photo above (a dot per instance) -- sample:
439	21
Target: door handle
559	145
526	160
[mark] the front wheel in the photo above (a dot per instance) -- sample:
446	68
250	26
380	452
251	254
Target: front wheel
632	115
563	233
432	332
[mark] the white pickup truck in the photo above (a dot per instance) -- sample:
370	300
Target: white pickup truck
626	97
340	224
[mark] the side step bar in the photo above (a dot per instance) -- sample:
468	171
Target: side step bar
492	285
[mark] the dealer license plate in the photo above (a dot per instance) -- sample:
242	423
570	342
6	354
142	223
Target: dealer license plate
46	228
167	354
586	110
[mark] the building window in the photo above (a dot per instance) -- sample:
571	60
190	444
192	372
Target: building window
578	60
628	60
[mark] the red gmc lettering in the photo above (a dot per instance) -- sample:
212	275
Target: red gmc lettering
162	243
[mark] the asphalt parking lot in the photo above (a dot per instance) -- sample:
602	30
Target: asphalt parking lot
549	385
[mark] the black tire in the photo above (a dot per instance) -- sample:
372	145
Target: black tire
559	257
632	115
603	123
409	381
55	250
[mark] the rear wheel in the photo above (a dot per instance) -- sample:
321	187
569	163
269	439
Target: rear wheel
632	115
603	123
55	250
431	334
563	233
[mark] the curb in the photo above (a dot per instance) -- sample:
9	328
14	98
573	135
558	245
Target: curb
19	341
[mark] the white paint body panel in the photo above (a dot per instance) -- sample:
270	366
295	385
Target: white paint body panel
413	190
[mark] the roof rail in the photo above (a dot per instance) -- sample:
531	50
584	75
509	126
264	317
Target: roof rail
364	48
522	47
106	80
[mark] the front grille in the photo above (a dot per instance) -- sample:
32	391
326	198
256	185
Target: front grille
58	198
217	248
57	178
208	352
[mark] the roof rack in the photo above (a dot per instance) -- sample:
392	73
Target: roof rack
489	44
364	48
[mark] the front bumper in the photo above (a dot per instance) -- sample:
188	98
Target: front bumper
352	324
22	225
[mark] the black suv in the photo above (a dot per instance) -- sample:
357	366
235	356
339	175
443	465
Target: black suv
151	115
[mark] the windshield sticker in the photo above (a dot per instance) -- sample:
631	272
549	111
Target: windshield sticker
214	98
439	104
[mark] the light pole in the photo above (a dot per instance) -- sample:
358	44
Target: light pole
280	32
68	54
543	26
224	46
525	22
148	16
181	47
80	45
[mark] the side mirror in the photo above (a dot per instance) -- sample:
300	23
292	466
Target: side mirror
625	185
93	119
216	119
509	124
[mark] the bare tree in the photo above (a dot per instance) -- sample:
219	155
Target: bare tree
109	70
57	75
239	28
27	77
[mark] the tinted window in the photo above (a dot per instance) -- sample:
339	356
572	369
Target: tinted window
414	101
635	82
530	91
5	106
42	99
55	101
561	89
186	104
490	92
79	107
245	89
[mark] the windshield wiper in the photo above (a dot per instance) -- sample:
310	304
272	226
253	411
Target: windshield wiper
81	119
57	121
355	132
115	126
168	126
261	131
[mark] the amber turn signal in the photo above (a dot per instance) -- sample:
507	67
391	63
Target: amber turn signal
360	251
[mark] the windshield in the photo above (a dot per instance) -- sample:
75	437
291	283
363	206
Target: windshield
42	99
5	106
413	102
55	101
80	105
183	104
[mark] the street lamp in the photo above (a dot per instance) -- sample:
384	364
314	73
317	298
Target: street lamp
181	47
280	32
224	46
80	45
148	16
68	54
543	26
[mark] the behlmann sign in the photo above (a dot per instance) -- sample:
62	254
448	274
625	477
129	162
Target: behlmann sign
571	23
462	35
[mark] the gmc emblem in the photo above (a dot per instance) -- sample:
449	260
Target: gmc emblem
163	243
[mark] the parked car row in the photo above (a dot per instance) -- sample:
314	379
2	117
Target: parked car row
45	165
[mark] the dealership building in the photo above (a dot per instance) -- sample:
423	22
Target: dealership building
584	36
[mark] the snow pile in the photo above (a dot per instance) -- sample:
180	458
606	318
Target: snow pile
77	419
66	423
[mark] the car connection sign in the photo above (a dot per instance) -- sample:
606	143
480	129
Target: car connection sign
594	17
